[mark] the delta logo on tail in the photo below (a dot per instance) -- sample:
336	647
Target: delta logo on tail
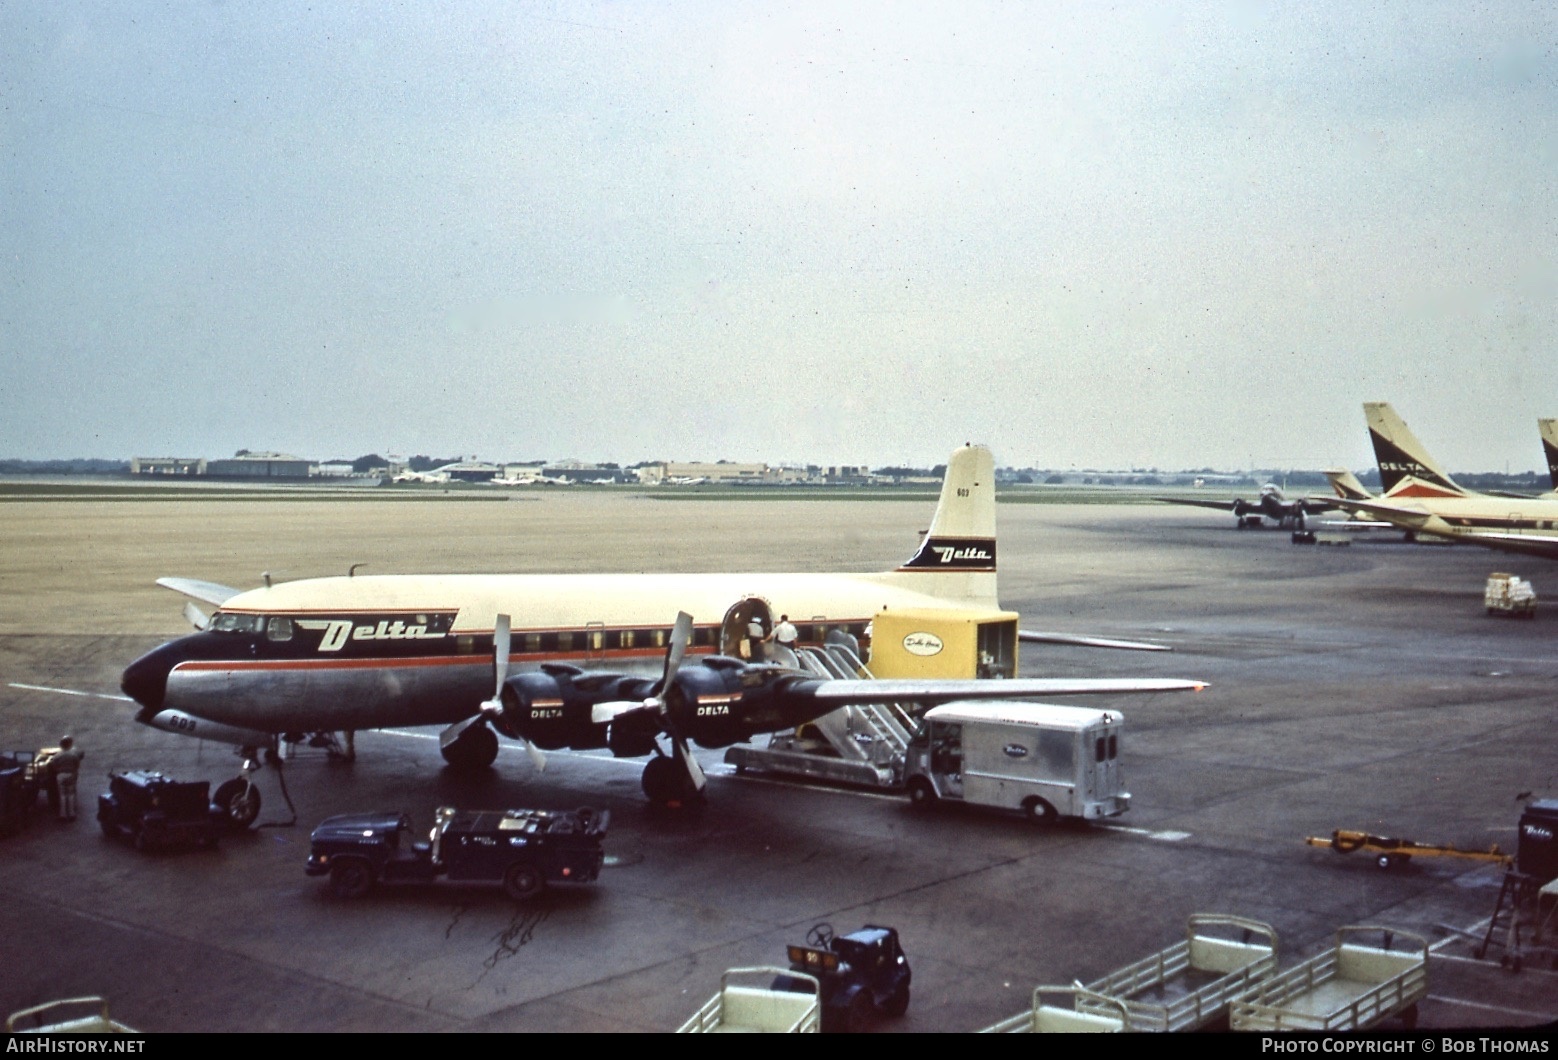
954	553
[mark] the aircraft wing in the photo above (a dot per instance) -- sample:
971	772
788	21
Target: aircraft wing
1221	506
1406	518
844	693
205	592
1354	523
1544	546
1030	636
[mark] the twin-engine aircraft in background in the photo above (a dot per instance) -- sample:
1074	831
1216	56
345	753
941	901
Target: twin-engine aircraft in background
476	653
1270	505
1420	497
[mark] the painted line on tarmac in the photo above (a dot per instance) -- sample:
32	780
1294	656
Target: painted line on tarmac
69	692
1534	1017
1147	833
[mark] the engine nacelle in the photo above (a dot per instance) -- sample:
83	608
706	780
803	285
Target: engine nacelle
552	709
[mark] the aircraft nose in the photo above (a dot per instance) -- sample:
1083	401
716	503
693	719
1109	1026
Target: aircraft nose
146	679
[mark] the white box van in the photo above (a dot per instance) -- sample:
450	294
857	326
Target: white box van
1047	761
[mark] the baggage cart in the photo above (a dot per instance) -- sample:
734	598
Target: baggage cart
739	1008
74	1015
1189	985
1509	594
1350	987
1080	1012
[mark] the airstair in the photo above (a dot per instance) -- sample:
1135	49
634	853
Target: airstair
861	744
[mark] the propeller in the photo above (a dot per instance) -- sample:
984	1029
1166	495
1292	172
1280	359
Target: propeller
656	701
681	633
197	618
493	708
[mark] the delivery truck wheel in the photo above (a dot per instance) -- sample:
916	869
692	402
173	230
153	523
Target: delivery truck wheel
1039	810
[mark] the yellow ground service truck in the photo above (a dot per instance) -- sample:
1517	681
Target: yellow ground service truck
943	644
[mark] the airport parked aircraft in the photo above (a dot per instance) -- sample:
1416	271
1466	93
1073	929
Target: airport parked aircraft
434	477
1270	504
333	654
1421	498
530	479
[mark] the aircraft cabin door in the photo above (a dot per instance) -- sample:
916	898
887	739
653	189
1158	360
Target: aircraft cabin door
734	635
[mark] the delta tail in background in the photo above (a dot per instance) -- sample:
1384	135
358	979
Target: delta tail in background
1420	497
577	661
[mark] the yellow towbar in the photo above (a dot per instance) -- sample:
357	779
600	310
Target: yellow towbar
1388	853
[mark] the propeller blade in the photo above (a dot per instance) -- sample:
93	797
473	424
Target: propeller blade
681	633
196	617
500	655
455	731
537	758
694	770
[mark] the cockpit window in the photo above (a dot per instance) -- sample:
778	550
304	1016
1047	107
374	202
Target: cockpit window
278	629
226	622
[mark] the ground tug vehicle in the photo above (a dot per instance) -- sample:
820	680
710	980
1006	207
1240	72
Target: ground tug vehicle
860	974
20	782
155	810
523	850
1045	761
742	1008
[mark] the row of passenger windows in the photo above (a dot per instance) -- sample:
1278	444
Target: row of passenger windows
280	629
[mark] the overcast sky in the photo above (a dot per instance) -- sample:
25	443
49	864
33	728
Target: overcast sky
1151	235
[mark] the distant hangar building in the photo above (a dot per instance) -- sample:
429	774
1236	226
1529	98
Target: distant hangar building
267	467
186	466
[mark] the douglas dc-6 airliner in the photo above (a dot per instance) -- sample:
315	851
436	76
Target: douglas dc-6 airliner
476	653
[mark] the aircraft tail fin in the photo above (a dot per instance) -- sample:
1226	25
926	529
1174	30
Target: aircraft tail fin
1404	464
956	558
1549	429
1346	485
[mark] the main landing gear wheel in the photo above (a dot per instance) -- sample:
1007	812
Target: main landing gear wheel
666	782
240	803
476	749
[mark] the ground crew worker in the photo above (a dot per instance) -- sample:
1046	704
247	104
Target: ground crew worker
785	634
755	636
63	768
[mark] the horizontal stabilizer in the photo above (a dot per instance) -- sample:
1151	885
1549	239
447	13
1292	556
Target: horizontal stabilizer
1037	637
932	692
205	592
